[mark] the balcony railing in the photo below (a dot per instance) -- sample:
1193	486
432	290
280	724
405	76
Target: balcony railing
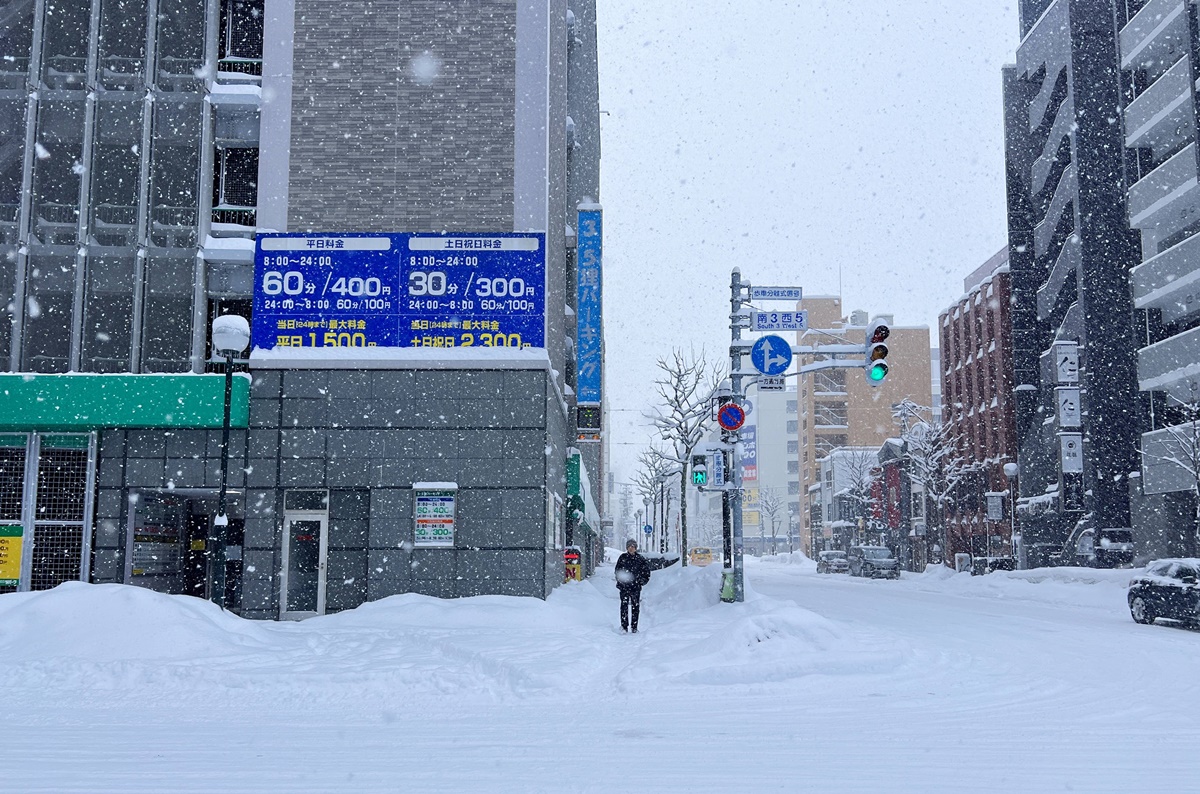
1168	364
235	65
1160	25
1162	187
1169	281
1161	106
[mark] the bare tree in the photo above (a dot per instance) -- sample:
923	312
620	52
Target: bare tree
935	460
770	504
859	469
1180	448
685	388
654	466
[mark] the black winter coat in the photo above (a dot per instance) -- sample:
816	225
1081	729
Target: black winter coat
632	571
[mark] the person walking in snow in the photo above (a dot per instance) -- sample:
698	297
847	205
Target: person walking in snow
632	574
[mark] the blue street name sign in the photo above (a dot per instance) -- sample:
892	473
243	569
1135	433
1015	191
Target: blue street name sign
399	290
771	355
779	321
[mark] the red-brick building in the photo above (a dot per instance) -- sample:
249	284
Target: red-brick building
977	403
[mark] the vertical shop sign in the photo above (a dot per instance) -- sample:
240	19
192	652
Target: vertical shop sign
589	305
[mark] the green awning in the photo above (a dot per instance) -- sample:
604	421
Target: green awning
85	402
579	493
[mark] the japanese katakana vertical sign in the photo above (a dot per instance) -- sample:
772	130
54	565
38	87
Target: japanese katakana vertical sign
588	312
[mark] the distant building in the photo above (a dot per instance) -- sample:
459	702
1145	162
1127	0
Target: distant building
770	464
977	384
839	408
1071	250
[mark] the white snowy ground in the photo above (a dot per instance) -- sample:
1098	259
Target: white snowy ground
1028	682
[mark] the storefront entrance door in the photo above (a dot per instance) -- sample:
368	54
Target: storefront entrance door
305	548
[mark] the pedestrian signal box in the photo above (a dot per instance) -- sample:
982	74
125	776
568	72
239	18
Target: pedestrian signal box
699	470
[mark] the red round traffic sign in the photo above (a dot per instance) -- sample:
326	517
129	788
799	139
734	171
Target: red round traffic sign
731	416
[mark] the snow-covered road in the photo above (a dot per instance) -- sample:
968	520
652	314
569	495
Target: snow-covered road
1029	682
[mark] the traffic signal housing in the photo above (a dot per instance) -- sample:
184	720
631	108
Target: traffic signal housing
699	470
876	351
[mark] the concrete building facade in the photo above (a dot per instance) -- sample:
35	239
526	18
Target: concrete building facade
1159	59
146	144
1071	249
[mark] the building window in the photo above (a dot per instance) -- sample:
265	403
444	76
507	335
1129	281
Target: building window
793	467
793	446
793	488
792	406
792	426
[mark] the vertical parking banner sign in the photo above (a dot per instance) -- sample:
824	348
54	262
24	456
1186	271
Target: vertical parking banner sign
589	333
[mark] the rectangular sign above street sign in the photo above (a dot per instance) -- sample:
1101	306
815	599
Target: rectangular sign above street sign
771	384
776	293
779	321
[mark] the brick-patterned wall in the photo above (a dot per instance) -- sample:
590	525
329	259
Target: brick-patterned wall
374	149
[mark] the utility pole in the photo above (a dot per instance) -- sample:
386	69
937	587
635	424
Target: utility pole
737	321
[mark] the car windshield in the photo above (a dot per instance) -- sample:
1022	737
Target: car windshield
877	553
833	555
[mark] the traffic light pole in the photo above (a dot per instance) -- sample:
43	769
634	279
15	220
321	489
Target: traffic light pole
737	321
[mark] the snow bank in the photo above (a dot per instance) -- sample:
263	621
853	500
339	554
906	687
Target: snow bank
1089	587
798	558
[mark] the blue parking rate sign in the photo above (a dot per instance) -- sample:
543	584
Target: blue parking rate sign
771	355
332	290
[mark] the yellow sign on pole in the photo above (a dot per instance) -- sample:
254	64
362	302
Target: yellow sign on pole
11	537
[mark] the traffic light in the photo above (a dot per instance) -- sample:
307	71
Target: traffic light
876	351
699	470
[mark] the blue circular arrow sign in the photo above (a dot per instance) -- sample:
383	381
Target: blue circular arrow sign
731	416
771	355
648	529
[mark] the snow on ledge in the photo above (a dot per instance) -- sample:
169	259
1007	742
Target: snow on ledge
399	358
435	486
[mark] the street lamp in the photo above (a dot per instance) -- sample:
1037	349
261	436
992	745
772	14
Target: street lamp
1011	471
231	337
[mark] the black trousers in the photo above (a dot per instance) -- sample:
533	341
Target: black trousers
631	605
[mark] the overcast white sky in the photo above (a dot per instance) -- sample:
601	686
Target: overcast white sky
796	139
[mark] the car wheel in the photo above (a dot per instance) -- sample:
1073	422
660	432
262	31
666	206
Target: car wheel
1140	610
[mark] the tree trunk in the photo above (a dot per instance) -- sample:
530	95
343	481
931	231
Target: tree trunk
683	540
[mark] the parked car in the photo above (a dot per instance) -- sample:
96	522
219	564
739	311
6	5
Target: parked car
832	562
1168	589
873	562
700	556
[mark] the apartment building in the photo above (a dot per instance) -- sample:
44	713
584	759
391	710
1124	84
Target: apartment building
145	146
839	408
1159	53
770	468
977	384
1071	250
